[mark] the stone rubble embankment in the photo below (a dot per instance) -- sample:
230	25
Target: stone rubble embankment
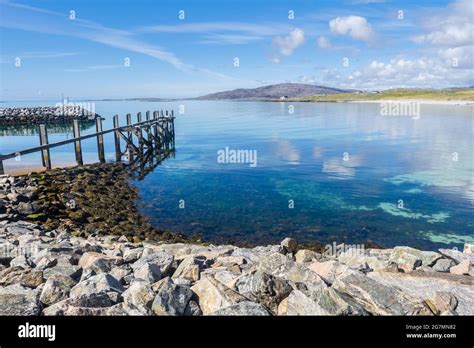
45	114
49	271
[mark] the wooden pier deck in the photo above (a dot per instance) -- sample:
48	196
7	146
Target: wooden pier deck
146	140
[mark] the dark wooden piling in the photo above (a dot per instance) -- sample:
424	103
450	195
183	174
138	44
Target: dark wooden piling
45	155
147	116
77	144
100	139
118	152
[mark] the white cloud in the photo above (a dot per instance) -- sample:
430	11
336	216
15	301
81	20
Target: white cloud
451	26
289	43
423	72
355	26
323	42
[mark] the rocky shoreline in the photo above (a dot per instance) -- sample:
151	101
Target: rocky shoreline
60	254
45	114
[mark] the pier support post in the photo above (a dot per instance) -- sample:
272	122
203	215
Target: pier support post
45	155
147	116
100	139
2	171
77	144
118	152
130	139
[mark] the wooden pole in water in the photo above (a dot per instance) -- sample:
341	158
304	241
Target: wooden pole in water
2	171
172	127
45	155
118	153
100	139
77	144
130	139
148	116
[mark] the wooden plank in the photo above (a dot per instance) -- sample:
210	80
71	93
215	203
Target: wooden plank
45	155
77	143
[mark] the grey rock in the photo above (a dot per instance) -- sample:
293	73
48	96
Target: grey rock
63	267
374	296
456	255
101	290
422	285
162	260
280	266
192	309
408	258
443	265
213	295
18	300
243	308
56	289
189	268
132	255
149	272
171	299
263	288
289	245
139	294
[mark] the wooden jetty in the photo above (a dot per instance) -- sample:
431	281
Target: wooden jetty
145	141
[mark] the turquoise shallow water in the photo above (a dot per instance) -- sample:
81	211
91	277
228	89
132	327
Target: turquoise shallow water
327	172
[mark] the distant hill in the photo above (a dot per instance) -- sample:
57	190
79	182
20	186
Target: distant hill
281	90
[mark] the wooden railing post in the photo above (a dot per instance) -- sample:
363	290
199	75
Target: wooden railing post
118	152
45	155
77	144
100	139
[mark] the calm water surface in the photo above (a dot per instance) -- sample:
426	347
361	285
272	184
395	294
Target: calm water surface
349	173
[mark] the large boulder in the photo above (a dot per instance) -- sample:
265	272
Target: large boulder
263	288
160	260
139	294
18	300
171	299
328	270
375	297
456	255
422	285
360	260
101	290
243	308
56	289
214	295
281	266
443	265
189	268
100	263
408	258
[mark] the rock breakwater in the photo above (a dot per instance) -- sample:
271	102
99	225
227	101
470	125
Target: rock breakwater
45	114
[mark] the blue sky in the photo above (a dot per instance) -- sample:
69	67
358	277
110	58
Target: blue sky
47	50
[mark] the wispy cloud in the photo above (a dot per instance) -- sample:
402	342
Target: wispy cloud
56	23
221	32
96	68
